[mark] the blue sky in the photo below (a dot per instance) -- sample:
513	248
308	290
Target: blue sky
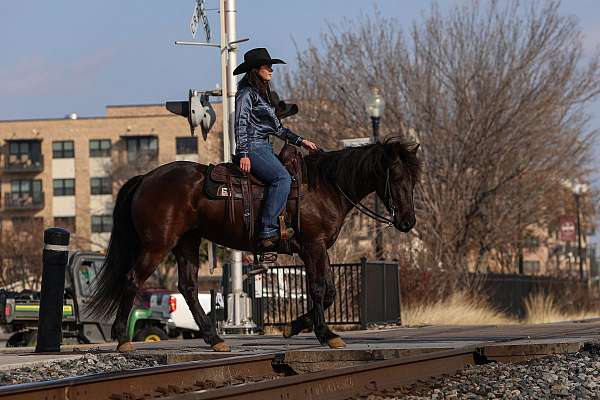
78	56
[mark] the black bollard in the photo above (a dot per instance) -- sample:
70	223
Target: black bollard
54	263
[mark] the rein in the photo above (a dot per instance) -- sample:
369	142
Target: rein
389	202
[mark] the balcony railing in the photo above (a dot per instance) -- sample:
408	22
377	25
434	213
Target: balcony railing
23	201
24	163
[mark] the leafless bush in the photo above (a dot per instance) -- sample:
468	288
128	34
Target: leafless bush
495	93
21	254
124	166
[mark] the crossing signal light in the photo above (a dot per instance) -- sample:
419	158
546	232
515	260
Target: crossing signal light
198	110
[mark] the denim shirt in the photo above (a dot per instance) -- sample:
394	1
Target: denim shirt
255	120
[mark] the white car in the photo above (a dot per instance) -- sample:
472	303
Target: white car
174	308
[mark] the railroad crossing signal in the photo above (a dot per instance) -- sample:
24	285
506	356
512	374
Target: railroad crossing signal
200	14
198	110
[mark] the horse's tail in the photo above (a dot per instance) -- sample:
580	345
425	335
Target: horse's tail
111	284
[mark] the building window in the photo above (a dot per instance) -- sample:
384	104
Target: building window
63	149
102	185
24	194
64	187
67	223
186	145
531	242
32	225
101	223
20	149
26	186
138	146
531	267
100	148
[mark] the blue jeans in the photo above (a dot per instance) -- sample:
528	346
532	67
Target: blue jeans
265	165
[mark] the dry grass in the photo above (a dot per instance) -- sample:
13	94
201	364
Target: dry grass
458	309
543	308
465	309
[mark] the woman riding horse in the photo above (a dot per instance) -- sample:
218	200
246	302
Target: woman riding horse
255	120
150	222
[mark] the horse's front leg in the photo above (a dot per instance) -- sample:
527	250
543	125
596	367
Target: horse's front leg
321	290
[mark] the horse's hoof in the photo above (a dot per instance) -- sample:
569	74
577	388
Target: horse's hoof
287	331
221	347
336	343
125	347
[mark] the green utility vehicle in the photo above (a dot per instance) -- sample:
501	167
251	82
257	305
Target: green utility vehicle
21	310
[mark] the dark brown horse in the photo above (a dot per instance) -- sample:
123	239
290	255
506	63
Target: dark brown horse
166	210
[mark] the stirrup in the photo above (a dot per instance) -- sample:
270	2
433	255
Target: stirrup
268	257
265	261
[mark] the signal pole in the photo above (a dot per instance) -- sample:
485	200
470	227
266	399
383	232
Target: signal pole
239	318
224	83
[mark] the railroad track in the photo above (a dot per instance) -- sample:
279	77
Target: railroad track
345	382
269	376
198	379
154	382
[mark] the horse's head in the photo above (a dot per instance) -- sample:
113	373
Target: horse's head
395	188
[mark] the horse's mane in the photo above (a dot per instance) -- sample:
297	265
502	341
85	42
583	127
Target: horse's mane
351	167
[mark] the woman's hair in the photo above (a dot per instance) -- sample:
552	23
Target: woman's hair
261	86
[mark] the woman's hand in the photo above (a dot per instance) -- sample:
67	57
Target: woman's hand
309	145
245	164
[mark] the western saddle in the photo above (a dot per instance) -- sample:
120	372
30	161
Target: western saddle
227	182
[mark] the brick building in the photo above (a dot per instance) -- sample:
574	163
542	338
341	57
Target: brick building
61	172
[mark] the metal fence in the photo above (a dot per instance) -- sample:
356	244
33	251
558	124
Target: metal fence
508	292
281	295
365	292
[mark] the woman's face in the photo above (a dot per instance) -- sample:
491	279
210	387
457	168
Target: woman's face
265	72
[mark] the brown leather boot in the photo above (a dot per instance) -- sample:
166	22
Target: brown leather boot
268	244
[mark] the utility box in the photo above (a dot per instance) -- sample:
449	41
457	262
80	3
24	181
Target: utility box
380	292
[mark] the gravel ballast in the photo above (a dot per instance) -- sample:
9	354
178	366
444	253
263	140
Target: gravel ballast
564	376
86	365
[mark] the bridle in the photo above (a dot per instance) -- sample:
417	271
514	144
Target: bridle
388	201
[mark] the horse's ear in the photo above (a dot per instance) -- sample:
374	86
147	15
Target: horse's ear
415	148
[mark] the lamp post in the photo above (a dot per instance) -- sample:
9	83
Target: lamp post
375	106
578	189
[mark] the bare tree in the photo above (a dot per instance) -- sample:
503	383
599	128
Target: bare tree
495	92
125	165
21	254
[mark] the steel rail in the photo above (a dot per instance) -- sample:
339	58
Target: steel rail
345	382
178	379
154	381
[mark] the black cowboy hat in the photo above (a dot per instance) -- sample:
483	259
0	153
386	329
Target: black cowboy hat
255	58
283	109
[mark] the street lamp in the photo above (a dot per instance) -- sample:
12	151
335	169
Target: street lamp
375	106
578	190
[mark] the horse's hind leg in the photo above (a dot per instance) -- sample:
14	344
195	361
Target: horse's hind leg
187	254
144	266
